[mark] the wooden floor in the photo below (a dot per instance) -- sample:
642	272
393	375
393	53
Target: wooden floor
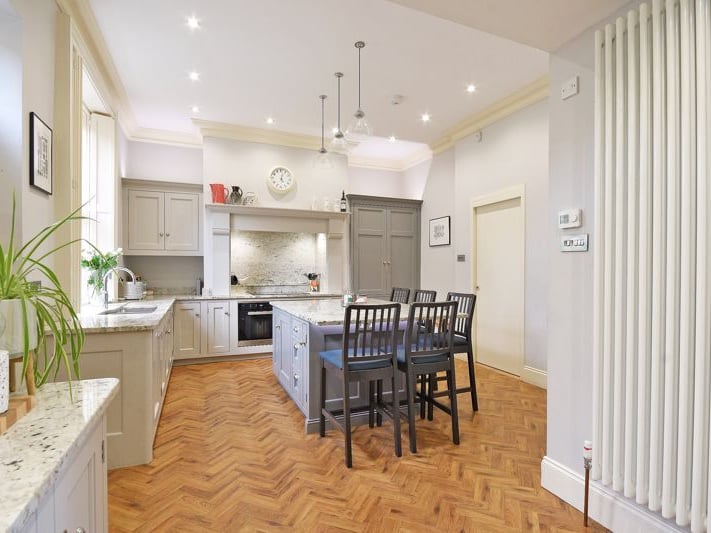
231	455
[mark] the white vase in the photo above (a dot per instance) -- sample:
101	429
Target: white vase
4	381
11	326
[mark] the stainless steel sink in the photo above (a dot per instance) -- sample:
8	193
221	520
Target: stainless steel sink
130	310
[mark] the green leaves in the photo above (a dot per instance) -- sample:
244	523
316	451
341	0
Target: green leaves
99	264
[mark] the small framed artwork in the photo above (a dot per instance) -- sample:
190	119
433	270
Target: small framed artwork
40	154
439	231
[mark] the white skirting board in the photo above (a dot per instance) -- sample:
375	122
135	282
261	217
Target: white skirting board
534	376
608	508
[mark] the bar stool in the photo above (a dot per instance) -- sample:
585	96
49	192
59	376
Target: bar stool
422	295
369	353
425	353
400	295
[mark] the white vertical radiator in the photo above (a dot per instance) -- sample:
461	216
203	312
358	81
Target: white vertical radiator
652	264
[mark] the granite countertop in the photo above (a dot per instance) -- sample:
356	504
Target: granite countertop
33	451
324	312
94	322
241	294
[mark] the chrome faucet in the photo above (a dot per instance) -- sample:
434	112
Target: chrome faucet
106	279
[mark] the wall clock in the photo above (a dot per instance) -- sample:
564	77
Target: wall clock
281	180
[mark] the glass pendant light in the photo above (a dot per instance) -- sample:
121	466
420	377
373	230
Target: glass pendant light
323	158
359	129
338	143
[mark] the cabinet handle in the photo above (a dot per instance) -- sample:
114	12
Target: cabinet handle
80	530
160	234
296	346
167	234
226	313
278	326
296	329
197	315
169	331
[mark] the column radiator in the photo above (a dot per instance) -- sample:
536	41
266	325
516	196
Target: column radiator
652	258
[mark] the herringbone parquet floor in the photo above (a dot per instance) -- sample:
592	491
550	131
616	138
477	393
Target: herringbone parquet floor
231	455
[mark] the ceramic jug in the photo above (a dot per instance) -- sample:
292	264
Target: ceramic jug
235	196
219	193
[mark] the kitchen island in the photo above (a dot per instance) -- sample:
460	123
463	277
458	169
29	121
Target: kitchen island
302	329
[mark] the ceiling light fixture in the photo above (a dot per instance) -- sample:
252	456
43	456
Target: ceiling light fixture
471	88
194	76
338	143
323	159
195	109
425	117
192	22
392	138
359	128
270	120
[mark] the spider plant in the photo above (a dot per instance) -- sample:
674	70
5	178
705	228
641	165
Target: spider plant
55	314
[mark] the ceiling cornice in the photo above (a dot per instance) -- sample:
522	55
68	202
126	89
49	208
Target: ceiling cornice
257	135
91	38
399	165
150	135
524	97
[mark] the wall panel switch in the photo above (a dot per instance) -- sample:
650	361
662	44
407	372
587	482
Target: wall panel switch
570	218
569	88
574	243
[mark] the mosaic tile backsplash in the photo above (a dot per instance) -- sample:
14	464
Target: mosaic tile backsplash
275	258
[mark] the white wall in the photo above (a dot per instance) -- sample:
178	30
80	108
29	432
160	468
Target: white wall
172	275
409	183
248	164
11	117
160	162
512	151
437	264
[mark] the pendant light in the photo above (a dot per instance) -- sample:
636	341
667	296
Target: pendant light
323	159
359	129
338	143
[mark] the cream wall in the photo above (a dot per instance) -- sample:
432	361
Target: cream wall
160	162
512	151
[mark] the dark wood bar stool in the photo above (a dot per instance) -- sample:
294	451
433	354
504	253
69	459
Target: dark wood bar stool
369	353
462	344
425	353
422	295
400	295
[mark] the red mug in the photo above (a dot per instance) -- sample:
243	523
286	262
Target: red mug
219	193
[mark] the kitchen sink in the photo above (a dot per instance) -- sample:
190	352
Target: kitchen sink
130	310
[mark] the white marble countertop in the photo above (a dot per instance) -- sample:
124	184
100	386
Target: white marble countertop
325	312
33	450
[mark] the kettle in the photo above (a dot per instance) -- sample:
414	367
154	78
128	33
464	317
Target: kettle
235	196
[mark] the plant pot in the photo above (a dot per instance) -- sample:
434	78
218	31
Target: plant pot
11	326
4	381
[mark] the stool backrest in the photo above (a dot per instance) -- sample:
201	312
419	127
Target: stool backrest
465	313
370	332
426	342
400	295
422	295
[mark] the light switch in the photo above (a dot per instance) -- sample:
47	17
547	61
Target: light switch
574	243
569	88
570	218
461	258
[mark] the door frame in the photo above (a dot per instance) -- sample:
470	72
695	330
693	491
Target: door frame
509	193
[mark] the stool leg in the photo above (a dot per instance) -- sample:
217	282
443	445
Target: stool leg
322	418
347	422
430	397
379	401
411	408
396	416
453	403
423	389
371	404
472	380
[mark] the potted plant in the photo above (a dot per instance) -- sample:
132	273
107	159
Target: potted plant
30	313
99	264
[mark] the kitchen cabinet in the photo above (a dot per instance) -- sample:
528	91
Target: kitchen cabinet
78	499
218	327
160	220
187	329
385	244
290	356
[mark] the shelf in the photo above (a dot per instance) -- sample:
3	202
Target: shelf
274	211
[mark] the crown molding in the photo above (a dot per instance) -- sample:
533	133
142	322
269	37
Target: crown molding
257	135
173	138
399	165
524	97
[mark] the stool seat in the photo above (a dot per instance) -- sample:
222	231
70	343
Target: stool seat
335	358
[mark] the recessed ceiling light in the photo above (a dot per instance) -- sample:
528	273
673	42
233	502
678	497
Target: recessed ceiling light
192	22
471	88
194	76
270	120
334	130
195	109
425	117
392	138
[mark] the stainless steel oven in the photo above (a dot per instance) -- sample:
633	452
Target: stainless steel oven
255	323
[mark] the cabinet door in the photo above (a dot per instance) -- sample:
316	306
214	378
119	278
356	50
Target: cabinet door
285	359
146	220
300	365
276	342
218	327
370	252
403	255
80	501
186	329
182	222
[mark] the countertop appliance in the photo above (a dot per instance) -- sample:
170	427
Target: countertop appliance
255	323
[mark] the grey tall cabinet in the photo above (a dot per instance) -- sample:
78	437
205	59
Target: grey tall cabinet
385	244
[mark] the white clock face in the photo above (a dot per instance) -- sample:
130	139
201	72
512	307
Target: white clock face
280	180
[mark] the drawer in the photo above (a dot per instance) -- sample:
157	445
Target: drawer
299	330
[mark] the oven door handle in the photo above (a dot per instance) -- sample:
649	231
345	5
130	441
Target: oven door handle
258	313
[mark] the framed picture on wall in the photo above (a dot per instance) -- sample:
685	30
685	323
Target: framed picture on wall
40	154
439	231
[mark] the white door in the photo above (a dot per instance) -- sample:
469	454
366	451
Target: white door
499	279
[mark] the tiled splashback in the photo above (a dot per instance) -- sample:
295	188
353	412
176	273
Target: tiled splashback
276	258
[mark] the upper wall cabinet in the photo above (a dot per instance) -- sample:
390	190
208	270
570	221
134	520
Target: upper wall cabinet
160	219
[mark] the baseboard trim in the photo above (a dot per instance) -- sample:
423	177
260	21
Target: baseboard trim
608	508
534	376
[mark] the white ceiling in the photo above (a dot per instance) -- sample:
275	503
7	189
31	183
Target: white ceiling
274	57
